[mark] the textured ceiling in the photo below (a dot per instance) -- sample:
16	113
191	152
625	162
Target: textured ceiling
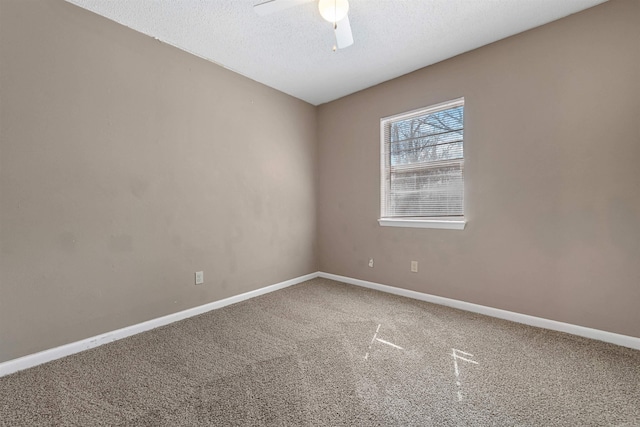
292	50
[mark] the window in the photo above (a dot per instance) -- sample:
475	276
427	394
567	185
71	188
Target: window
422	167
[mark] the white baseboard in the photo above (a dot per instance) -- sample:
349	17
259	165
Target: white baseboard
35	359
596	334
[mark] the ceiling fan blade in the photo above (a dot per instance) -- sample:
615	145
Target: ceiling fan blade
272	6
344	37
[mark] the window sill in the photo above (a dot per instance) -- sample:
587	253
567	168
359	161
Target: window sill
449	224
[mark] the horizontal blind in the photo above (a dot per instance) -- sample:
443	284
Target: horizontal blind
422	162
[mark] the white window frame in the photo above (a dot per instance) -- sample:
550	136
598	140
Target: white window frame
451	223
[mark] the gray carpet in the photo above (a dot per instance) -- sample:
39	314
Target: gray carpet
325	353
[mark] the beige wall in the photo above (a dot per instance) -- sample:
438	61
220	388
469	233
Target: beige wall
552	170
127	165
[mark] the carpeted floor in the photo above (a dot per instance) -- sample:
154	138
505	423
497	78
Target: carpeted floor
325	353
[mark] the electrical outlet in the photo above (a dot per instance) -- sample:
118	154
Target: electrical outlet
371	262
199	277
414	266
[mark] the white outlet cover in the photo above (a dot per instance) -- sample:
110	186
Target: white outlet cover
414	266
199	277
371	262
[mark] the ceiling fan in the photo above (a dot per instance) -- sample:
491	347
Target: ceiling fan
334	11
